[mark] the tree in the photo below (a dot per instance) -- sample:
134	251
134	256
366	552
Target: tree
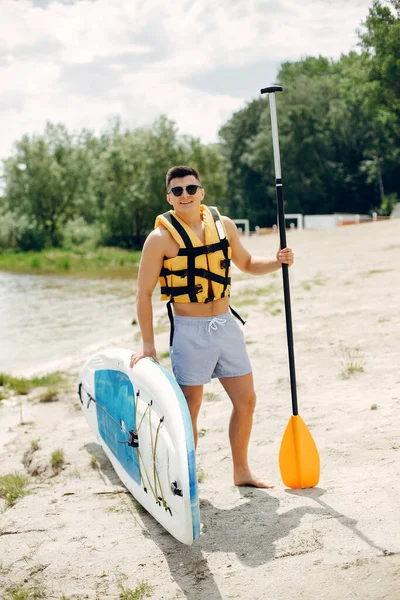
46	181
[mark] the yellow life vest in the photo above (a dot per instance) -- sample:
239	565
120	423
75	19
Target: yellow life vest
186	277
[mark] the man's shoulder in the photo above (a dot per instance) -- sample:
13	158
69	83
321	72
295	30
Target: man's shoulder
158	239
229	224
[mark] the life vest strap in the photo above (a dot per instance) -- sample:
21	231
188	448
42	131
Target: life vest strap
180	291
235	314
171	322
199	250
198	273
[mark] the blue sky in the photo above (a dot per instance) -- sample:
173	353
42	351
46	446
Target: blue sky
79	62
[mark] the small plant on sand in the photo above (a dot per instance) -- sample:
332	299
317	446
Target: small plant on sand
32	592
12	487
34	445
164	355
50	395
374	272
202	432
22	386
93	462
143	590
138	507
210	396
57	459
201	476
352	361
246	301
319	279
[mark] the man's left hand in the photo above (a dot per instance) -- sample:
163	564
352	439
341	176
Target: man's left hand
285	256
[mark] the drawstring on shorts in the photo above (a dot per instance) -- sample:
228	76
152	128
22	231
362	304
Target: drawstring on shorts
215	321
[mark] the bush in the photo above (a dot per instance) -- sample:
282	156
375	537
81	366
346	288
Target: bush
77	232
388	203
18	233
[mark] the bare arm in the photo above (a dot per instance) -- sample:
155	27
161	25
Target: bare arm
149	270
256	265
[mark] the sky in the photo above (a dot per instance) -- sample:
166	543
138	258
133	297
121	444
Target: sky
80	62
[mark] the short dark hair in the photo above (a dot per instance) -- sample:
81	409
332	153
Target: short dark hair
181	171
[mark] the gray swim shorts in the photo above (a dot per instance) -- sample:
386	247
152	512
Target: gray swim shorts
208	347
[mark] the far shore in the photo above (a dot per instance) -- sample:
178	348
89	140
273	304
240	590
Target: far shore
100	261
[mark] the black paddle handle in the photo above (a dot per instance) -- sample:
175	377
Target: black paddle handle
282	234
286	294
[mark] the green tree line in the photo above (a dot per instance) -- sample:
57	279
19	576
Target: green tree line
339	131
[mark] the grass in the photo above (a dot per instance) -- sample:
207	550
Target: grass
32	592
34	445
161	329
57	459
55	260
22	386
164	355
142	590
115	509
374	272
352	361
12	487
210	396
245	301
319	279
264	291
201	476
50	395
138	507
93	462
272	308
202	432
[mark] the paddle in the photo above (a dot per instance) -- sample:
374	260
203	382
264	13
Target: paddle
298	455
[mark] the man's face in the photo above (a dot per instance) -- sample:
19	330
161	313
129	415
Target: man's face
185	202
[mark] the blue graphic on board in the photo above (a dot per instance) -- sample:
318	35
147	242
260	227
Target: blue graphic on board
115	406
194	499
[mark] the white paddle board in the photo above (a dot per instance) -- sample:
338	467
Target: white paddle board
142	421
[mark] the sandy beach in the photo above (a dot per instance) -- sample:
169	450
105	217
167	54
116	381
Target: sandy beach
78	533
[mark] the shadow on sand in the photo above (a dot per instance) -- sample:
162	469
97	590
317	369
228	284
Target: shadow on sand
249	530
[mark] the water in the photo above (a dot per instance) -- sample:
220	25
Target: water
50	322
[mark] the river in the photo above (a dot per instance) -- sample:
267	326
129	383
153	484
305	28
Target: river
50	322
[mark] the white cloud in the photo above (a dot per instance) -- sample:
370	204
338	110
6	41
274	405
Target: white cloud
79	63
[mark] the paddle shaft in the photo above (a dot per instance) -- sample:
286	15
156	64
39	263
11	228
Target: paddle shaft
282	235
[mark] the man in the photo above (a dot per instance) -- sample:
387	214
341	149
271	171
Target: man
190	251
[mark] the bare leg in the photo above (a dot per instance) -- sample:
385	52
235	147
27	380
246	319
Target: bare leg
241	392
194	396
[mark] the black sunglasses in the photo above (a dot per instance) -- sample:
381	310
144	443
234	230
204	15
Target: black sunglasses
191	190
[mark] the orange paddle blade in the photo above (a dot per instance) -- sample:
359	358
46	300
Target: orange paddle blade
298	456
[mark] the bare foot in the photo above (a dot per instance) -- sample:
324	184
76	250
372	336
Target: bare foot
250	480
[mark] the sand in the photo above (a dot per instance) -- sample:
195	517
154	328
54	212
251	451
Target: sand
78	534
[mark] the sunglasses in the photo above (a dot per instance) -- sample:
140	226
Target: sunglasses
191	190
